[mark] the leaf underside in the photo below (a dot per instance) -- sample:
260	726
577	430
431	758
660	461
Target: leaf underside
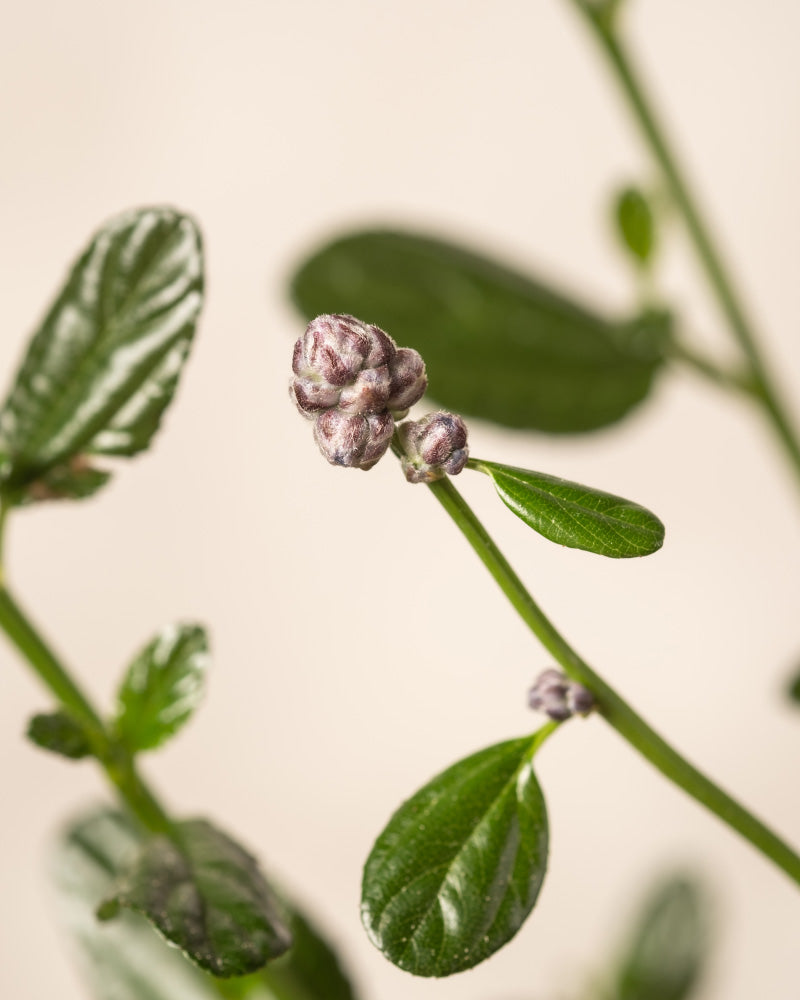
459	866
497	344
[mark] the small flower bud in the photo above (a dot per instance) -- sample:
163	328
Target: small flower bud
434	446
408	381
559	697
354	440
331	361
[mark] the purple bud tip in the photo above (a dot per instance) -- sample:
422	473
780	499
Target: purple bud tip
434	446
559	697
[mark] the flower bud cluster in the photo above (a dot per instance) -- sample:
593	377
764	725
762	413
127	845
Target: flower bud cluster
434	446
353	381
559	697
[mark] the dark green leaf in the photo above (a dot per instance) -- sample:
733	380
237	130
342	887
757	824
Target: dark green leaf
497	345
794	688
666	955
459	866
636	224
59	733
575	515
162	687
208	896
105	362
124	959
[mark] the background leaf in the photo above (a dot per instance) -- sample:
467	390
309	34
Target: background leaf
105	362
209	897
126	959
59	733
497	344
666	955
793	689
162	687
459	866
574	515
636	224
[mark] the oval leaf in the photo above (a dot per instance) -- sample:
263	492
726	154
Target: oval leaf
59	733
209	897
667	953
459	866
105	362
575	515
162	687
497	344
125	959
636	224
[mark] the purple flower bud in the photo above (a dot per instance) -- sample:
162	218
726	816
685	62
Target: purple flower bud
559	697
408	381
330	361
434	446
354	440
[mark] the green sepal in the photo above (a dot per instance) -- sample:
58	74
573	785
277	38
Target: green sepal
574	515
497	344
59	733
636	224
206	895
459	866
666	954
105	362
161	688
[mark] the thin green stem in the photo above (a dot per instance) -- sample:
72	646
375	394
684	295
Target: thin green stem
117	763
734	381
610	705
708	253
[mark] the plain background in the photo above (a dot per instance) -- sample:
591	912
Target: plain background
359	645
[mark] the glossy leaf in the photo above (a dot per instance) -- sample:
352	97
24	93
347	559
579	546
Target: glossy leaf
497	344
162	687
459	866
666	956
125	959
209	898
59	733
105	362
574	515
636	224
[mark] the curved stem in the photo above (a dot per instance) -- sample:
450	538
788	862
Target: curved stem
709	255
117	764
610	705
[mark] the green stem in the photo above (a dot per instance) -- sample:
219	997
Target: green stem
710	258
734	381
117	763
609	704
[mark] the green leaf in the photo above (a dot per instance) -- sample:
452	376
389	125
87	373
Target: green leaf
794	688
105	362
162	687
666	955
459	866
497	344
574	515
59	733
125	959
207	895
636	224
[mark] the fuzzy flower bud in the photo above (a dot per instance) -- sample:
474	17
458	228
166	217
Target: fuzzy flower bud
559	697
434	447
408	381
354	440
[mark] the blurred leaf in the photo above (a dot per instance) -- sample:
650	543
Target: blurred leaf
162	687
665	957
574	515
59	733
636	224
497	345
794	688
208	896
125	959
105	362
459	866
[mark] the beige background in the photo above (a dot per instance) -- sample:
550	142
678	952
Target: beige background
278	124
